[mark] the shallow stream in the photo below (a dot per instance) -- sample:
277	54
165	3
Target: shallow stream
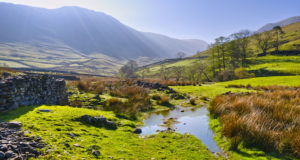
192	121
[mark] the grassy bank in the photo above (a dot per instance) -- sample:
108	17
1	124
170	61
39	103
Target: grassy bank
211	91
53	127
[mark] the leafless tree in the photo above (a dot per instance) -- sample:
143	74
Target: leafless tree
181	55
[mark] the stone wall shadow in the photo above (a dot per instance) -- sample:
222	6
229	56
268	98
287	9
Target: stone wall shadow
15	113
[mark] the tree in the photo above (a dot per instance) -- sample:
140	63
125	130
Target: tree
178	70
277	30
164	72
263	41
129	69
242	39
180	55
222	45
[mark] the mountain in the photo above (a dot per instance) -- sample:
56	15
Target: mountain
85	33
284	22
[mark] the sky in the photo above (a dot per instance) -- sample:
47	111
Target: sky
185	19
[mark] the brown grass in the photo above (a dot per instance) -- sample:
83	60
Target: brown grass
269	120
165	101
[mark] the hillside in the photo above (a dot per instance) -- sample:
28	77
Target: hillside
261	66
79	40
284	22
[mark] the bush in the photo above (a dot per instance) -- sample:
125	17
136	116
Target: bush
165	101
241	73
156	97
193	101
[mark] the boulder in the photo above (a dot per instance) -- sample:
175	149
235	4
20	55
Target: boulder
14	124
2	155
110	125
137	131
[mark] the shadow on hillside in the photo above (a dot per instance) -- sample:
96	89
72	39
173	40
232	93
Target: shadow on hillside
267	73
15	113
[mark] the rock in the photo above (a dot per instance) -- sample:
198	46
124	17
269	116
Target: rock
14	124
44	110
9	154
76	145
96	153
71	134
182	111
6	74
97	97
86	118
2	155
111	125
137	131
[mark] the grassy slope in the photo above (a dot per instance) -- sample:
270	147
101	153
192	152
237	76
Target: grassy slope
120	143
213	90
277	64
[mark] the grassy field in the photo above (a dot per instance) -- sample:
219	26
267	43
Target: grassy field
262	66
53	127
276	65
212	90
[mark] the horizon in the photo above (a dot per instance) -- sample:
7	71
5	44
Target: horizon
162	18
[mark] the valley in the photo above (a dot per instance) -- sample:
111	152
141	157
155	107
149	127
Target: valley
77	83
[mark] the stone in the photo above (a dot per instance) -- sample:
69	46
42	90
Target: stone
2	155
9	154
137	131
86	118
6	74
76	145
14	124
96	153
110	125
71	134
97	97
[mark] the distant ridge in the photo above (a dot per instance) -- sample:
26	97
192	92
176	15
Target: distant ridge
284	22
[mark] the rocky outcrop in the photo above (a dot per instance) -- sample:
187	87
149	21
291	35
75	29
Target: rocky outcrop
100	121
26	90
15	145
157	86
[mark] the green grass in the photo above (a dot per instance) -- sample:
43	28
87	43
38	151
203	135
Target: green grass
121	143
266	81
280	64
209	91
212	90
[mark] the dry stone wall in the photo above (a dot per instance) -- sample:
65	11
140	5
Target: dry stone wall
26	90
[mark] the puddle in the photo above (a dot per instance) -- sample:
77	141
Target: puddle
195	122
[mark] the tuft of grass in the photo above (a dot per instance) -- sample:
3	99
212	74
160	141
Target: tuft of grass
268	120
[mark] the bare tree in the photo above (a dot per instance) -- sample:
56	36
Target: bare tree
181	55
164	72
263	41
178	70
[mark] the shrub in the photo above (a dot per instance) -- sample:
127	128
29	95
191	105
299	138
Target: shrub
193	101
165	101
241	73
156	97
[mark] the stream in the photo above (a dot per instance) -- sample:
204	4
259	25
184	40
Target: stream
192	121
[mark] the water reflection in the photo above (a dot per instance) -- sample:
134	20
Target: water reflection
192	121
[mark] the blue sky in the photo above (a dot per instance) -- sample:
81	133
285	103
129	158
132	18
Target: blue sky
201	19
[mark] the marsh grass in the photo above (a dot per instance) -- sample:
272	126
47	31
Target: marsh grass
268	120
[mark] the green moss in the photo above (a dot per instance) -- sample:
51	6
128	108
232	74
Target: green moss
53	127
